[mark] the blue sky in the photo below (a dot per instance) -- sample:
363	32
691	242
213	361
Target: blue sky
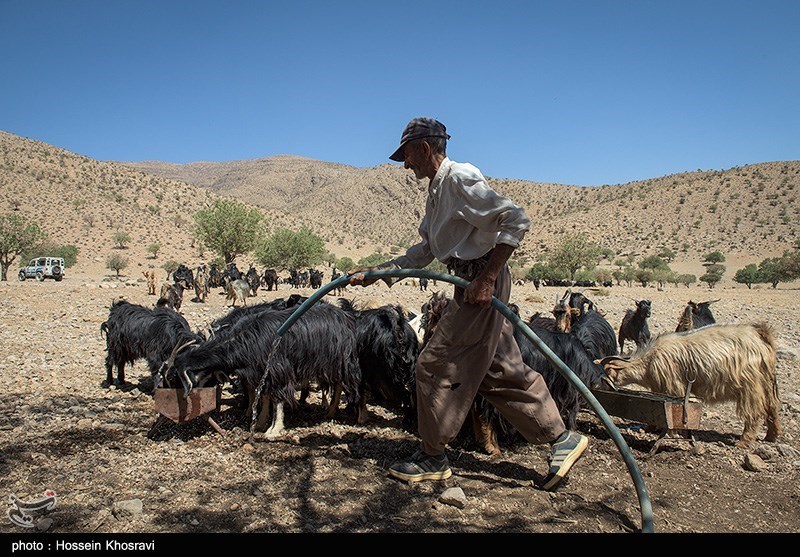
575	92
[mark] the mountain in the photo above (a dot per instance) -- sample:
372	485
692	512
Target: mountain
747	213
750	210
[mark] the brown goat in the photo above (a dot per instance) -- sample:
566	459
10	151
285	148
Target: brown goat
151	282
727	363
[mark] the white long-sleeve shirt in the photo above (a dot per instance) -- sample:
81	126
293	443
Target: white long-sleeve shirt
464	219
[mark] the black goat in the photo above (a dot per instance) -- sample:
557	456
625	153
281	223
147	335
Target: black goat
135	332
634	325
183	274
320	347
215	277
270	279
387	355
253	280
223	324
576	314
696	315
315	278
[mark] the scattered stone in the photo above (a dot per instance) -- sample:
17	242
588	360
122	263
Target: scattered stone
454	496
234	507
753	463
85	422
787	450
194	522
129	508
248	447
788	353
767	452
44	524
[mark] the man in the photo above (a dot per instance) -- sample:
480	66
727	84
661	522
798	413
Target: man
473	230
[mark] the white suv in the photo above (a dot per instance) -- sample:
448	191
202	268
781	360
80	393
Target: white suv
42	268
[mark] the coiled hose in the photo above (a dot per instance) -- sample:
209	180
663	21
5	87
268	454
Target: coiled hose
627	456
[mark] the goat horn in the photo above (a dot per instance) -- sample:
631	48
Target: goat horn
177	350
712	301
603	361
187	384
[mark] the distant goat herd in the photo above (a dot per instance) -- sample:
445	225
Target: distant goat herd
358	355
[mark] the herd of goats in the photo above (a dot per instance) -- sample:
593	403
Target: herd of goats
368	354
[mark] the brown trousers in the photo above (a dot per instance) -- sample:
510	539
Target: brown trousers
473	351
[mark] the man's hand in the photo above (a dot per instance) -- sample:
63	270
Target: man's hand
479	291
357	276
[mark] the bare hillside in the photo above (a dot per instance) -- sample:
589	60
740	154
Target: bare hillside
751	211
748	212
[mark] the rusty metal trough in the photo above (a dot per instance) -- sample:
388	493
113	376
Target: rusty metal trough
171	404
671	415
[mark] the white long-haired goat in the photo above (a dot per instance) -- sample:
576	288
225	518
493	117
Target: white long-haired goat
729	363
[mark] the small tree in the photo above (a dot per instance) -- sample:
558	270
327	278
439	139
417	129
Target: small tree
286	249
748	275
538	271
16	237
345	264
653	262
122	239
116	262
170	266
229	228
575	252
687	279
153	249
328	258
644	276
372	259
662	276
711	279
714	257
775	270
667	254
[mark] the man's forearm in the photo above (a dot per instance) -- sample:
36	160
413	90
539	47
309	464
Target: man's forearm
497	261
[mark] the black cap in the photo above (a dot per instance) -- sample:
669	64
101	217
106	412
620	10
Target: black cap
419	128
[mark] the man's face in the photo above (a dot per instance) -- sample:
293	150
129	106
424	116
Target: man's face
416	160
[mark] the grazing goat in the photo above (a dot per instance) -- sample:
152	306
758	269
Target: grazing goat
634	325
718	363
320	347
171	296
215	277
576	314
270	279
151	281
183	274
226	322
696	315
237	291
315	278
135	332
201	284
387	356
253	280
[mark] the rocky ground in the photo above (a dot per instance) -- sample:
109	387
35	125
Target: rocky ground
60	430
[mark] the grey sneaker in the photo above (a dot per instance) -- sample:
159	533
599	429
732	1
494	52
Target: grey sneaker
420	467
563	455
